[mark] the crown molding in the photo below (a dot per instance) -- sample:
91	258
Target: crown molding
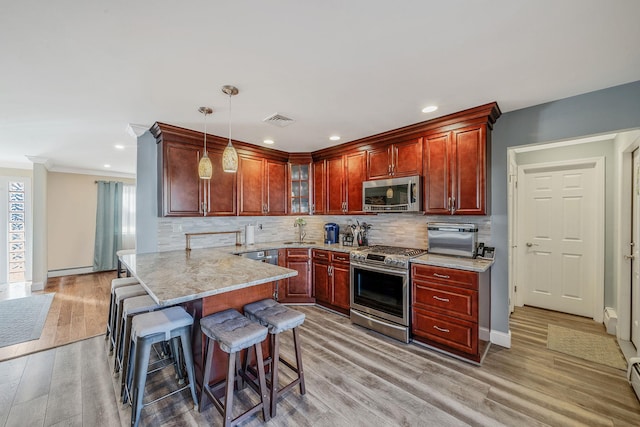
40	161
112	174
136	130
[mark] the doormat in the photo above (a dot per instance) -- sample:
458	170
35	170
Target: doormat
22	319
592	347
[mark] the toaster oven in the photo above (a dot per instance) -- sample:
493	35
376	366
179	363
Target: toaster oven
452	239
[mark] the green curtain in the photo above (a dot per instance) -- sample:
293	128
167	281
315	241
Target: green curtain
108	225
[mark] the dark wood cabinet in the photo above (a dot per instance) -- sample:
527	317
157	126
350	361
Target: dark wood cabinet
262	186
184	193
300	180
401	158
331	278
455	174
449	309
319	189
343	182
296	289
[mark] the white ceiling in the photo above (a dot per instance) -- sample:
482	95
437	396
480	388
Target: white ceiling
74	74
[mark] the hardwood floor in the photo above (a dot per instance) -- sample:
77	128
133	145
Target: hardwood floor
354	377
78	311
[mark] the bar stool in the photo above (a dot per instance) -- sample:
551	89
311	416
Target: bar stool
170	324
115	284
130	307
120	253
279	318
233	332
121	294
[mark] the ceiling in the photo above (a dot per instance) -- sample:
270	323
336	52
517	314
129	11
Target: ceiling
76	74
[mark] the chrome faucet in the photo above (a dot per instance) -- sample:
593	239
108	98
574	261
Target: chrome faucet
300	223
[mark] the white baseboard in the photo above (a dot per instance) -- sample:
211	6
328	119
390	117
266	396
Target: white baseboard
501	338
610	320
70	271
37	286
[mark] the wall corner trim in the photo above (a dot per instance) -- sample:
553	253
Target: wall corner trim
503	339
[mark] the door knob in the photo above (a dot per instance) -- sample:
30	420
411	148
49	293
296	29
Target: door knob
629	257
529	244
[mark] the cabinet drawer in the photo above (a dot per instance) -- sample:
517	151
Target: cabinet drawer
453	301
320	255
446	276
340	257
297	253
457	334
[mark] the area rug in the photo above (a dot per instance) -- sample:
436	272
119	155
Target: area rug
22	319
595	348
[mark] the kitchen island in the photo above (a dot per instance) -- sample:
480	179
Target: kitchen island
205	281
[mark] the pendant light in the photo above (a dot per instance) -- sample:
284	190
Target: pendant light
230	155
205	169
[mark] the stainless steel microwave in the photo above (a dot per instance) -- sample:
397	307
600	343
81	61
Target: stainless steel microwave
392	195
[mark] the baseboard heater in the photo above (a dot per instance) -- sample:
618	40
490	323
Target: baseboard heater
633	375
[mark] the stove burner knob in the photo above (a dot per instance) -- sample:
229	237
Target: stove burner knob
402	263
388	261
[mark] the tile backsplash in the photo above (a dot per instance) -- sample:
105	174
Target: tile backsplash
407	230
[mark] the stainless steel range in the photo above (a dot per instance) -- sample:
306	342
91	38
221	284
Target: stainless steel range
380	289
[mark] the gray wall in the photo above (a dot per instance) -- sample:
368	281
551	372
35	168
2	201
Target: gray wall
585	151
147	195
608	110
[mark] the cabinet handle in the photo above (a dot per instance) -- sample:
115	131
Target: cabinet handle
388	169
440	329
453	205
329	270
440	298
442	276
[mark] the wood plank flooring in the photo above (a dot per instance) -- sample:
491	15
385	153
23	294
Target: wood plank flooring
354	377
78	311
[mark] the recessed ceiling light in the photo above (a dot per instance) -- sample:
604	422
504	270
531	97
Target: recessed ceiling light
268	141
430	109
107	166
334	138
119	146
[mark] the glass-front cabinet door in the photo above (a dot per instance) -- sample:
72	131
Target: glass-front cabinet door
300	192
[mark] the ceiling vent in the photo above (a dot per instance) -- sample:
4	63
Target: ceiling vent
278	120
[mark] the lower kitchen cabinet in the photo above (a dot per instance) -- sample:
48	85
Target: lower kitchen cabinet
331	278
451	310
295	289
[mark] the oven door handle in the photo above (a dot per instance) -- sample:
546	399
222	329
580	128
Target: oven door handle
387	270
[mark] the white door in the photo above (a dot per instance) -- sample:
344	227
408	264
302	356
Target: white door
634	251
560	219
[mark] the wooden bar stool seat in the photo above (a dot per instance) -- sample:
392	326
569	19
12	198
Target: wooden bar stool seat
279	318
233	332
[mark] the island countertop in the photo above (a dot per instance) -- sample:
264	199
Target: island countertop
175	277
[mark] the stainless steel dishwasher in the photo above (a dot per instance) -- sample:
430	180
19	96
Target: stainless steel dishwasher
270	256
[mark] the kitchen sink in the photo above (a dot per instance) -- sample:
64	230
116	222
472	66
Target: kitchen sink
298	243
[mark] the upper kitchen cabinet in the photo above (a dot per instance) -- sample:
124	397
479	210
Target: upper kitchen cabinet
262	186
300	178
343	182
400	158
455	176
319	189
182	192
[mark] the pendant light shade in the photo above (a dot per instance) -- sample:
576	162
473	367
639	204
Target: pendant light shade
230	155
205	168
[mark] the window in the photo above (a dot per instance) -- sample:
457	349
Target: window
16	214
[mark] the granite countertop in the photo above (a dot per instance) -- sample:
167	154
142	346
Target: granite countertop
175	277
469	264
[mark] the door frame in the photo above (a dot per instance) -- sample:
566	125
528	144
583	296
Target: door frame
514	218
622	273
